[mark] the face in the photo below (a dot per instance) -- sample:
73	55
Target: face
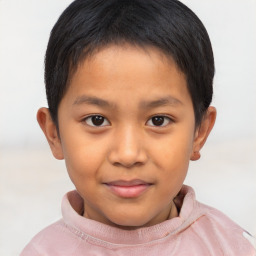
127	133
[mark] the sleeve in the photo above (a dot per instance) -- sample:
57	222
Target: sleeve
250	238
30	250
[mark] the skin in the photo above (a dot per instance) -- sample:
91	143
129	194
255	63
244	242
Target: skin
130	84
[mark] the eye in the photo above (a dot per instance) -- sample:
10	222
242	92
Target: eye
159	121
96	120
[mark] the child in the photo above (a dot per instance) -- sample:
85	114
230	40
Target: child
129	87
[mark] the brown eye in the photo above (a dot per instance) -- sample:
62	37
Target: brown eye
96	120
159	121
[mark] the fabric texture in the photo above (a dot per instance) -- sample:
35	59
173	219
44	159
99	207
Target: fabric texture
198	230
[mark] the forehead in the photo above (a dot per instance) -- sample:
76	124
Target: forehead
149	55
127	70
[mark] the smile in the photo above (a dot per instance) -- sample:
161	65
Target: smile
128	189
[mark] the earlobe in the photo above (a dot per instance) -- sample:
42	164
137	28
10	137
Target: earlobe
203	132
50	131
195	156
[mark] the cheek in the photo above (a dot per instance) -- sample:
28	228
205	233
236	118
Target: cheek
82	168
83	156
173	149
172	156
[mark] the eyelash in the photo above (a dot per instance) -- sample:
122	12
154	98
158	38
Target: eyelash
90	118
166	118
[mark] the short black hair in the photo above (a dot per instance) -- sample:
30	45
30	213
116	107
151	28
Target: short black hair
86	26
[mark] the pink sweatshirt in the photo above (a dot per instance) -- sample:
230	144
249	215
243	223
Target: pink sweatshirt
198	230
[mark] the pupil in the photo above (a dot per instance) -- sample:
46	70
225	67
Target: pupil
97	120
158	120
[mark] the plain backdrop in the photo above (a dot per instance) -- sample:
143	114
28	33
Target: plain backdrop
32	183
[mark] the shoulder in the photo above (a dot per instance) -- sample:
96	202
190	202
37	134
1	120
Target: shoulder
228	235
49	241
208	230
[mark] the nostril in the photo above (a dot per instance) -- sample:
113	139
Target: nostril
128	165
127	150
122	159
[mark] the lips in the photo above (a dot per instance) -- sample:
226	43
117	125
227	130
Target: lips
128	189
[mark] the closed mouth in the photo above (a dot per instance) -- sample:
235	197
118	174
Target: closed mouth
128	189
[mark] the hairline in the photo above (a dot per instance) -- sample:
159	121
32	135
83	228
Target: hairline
89	52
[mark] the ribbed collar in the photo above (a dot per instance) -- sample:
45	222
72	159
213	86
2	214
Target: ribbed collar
86	228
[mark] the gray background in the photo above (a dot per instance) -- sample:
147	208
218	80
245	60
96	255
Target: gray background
32	183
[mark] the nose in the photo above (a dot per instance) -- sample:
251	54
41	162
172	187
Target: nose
127	148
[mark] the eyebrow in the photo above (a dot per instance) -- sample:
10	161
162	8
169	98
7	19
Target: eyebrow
165	101
91	100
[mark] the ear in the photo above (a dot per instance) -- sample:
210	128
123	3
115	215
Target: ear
202	132
50	131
